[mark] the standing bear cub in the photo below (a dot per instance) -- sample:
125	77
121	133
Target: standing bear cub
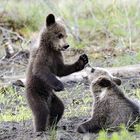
45	64
111	108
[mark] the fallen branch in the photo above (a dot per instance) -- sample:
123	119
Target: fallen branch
12	32
125	73
8	49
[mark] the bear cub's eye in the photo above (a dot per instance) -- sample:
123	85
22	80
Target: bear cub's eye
92	70
60	36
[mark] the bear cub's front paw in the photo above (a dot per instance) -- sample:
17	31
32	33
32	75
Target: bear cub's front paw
59	87
81	129
82	61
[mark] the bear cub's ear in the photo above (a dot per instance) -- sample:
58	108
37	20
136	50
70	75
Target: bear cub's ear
104	82
50	19
117	81
92	70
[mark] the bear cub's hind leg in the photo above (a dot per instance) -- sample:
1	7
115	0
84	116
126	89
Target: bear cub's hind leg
56	111
41	117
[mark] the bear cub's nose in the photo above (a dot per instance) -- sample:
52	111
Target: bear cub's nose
66	46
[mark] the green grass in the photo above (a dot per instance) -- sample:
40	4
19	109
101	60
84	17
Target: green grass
113	23
126	59
93	21
13	105
25	18
121	135
78	102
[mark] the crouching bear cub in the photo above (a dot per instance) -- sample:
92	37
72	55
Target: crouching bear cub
111	108
45	64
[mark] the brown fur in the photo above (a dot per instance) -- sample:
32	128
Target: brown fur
95	72
45	63
111	108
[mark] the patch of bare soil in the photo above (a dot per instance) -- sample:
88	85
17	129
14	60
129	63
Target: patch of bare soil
24	131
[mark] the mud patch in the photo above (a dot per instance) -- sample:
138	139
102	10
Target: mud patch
24	130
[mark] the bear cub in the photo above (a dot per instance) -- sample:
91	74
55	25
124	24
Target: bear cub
46	62
111	107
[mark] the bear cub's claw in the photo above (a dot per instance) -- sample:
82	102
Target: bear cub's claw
81	129
59	87
82	61
84	58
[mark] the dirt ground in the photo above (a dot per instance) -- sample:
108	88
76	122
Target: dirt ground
24	131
